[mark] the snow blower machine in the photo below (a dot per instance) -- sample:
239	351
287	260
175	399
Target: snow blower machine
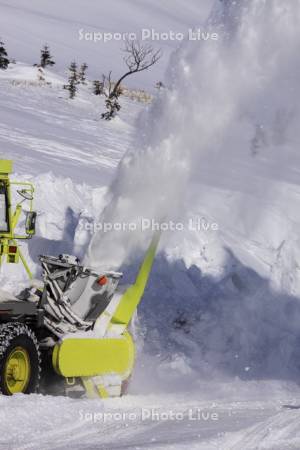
69	330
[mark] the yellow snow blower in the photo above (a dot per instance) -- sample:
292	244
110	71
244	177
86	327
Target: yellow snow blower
70	329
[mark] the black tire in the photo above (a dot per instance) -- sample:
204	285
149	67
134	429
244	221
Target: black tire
15	337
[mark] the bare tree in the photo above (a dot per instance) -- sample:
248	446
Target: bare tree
138	57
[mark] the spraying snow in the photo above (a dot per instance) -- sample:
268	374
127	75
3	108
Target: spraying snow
232	107
220	143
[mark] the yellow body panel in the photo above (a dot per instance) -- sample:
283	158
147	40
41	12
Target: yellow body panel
134	293
6	166
94	357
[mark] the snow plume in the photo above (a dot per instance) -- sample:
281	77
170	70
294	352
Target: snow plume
221	141
228	102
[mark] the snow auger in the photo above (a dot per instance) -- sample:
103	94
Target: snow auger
69	329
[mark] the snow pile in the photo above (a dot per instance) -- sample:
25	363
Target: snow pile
221	144
20	73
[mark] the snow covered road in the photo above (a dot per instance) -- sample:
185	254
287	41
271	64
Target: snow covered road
154	422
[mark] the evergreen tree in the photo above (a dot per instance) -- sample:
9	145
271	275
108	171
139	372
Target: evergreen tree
82	73
98	87
113	107
4	61
73	80
46	58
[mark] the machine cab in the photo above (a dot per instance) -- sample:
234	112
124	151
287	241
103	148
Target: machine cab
21	195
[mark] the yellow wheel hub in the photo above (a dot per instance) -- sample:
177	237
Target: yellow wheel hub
17	370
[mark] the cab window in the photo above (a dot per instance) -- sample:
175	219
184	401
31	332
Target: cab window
4	216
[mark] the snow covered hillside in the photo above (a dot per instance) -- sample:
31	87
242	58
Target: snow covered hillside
27	26
215	156
44	131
